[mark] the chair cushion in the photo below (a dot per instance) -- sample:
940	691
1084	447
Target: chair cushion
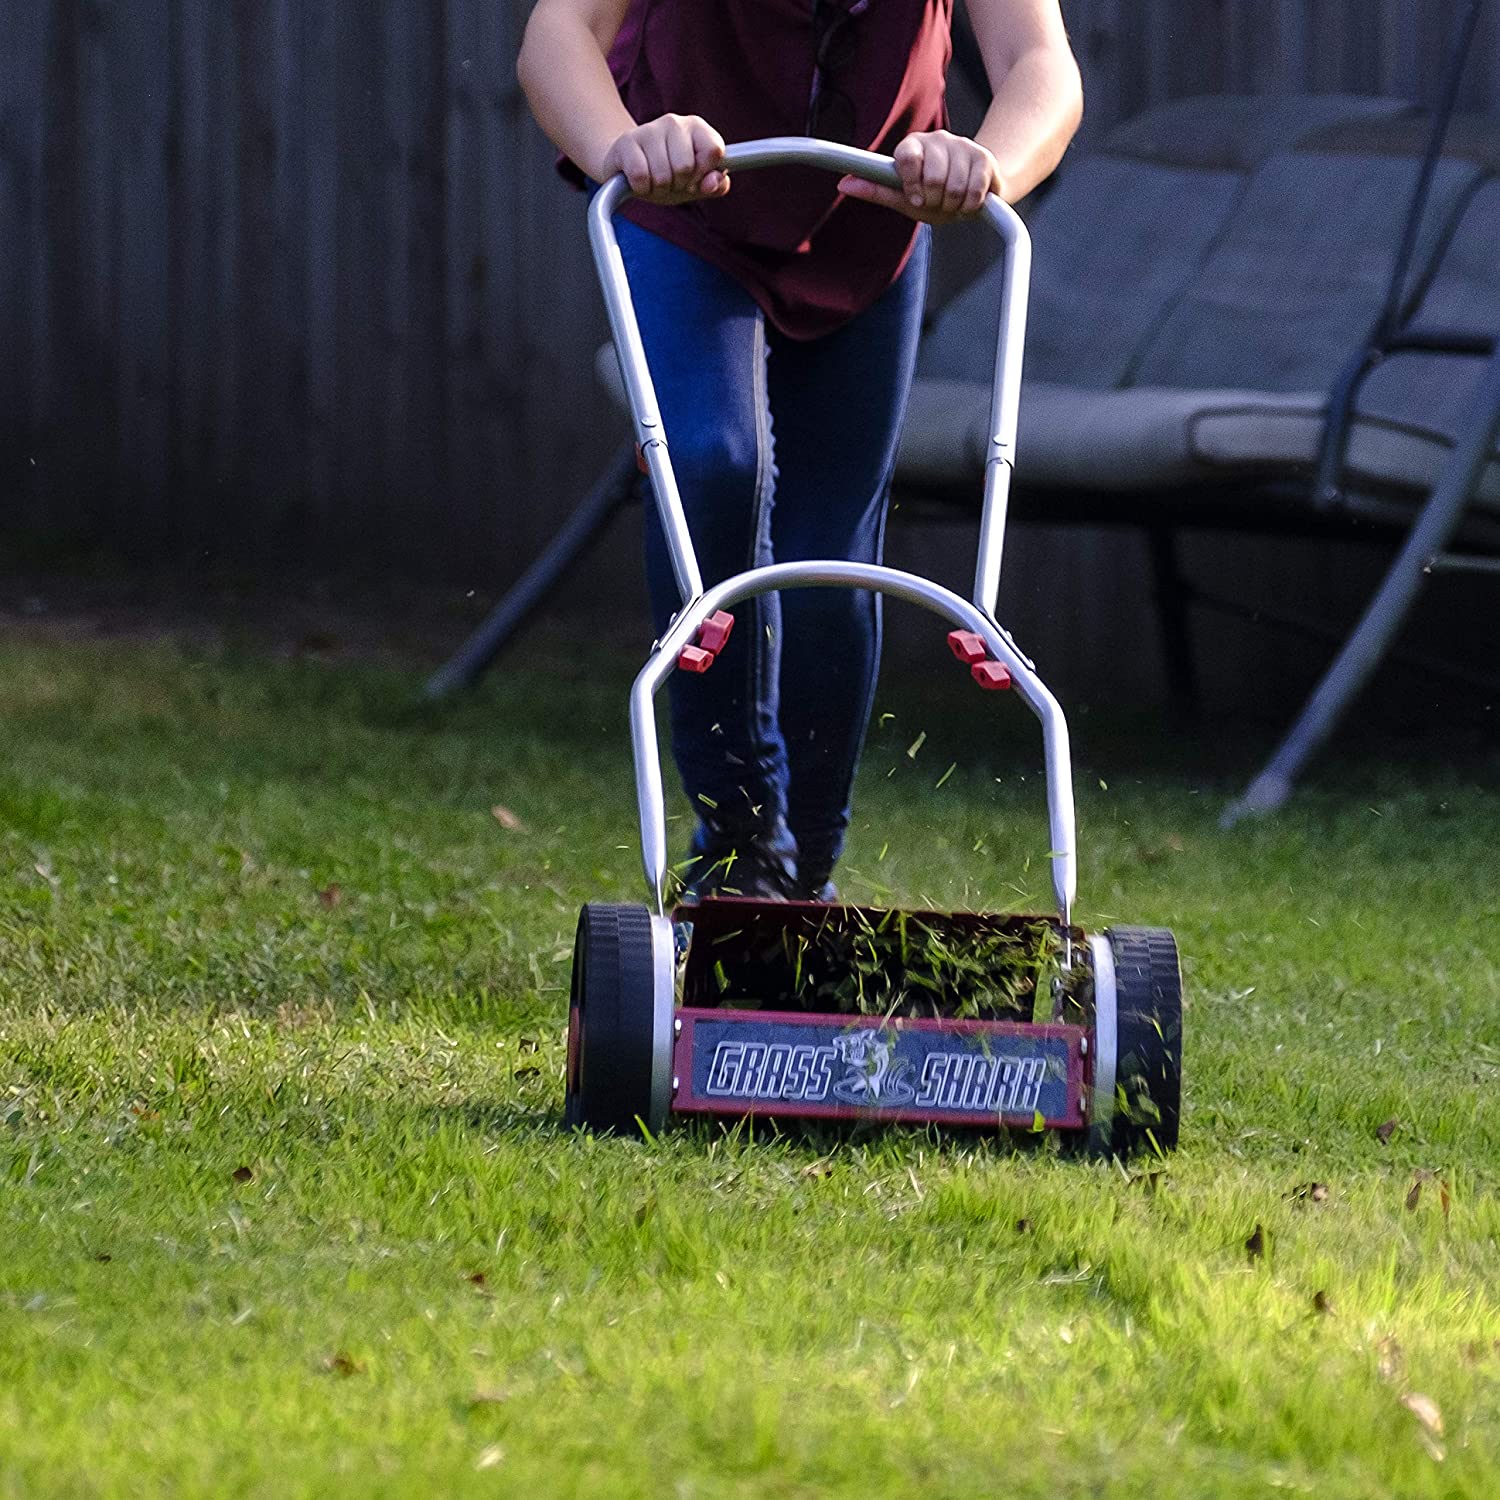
1471	137
1113	441
1143	440
1198	286
1464	294
1238	133
1296	283
1104	275
1127	233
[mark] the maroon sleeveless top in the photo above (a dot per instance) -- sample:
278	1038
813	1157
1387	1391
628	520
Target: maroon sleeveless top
811	258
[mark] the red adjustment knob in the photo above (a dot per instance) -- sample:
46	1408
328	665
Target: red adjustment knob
990	675
713	634
695	659
967	647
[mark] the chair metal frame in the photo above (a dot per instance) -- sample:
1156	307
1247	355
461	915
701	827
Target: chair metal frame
1426	551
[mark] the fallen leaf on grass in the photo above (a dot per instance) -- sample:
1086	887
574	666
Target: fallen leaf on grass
490	1457
1309	1192
343	1364
820	1168
1383	1133
1322	1304
488	1398
507	819
1414	1193
1255	1246
1425	1410
243	1174
330	896
1153	854
1389	1361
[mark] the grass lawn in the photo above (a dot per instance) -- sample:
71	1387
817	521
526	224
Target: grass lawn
285	1207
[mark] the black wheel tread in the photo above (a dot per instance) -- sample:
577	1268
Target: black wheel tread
1148	1067
614	987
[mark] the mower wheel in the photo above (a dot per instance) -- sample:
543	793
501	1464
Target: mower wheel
1148	1024
619	1021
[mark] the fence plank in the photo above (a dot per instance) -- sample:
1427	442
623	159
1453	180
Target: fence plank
294	272
318	268
364	242
140	88
24	347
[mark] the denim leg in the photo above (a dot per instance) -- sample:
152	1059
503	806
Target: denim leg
838	404
705	343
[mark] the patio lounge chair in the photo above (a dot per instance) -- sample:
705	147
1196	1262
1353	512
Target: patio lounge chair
1211	286
1185	379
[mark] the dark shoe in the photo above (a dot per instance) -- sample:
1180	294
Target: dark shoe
827	893
815	875
755	862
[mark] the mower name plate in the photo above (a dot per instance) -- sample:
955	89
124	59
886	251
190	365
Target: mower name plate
737	1062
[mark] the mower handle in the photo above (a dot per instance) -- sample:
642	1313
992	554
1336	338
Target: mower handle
977	617
1005	397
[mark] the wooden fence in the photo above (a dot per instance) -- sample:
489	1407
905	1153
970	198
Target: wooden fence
294	277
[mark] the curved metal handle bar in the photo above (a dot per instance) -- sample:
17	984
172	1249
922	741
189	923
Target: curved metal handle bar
899	585
1005	397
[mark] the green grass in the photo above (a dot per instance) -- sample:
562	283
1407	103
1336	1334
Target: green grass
285	1207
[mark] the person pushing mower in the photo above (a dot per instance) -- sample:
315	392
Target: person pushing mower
780	316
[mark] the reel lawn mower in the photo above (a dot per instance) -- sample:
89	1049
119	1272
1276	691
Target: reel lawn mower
799	1010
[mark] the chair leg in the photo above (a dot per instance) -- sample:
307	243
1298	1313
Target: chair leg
468	663
1364	650
1173	596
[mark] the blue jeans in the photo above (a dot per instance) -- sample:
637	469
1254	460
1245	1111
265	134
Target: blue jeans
783	451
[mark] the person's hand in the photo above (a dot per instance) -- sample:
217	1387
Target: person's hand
673	159
944	178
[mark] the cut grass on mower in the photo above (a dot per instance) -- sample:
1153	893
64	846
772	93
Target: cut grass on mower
285	1208
885	962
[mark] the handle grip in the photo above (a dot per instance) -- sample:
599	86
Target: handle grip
1005	398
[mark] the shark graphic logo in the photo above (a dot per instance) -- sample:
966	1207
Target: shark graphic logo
871	1080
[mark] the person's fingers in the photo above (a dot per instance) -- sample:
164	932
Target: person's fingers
935	160
679	147
962	165
979	186
654	143
909	156
632	161
708	155
883	197
708	144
